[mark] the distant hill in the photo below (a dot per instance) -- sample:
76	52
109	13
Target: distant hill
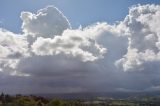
92	95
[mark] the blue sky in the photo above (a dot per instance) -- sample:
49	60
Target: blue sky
79	12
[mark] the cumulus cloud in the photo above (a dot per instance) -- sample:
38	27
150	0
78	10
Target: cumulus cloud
12	48
143	37
12	44
74	43
46	22
99	57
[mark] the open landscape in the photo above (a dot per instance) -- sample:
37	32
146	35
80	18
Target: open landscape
82	99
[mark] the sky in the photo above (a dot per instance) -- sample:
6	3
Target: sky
68	46
81	12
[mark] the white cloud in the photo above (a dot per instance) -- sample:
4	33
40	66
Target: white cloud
76	43
46	22
12	44
50	53
143	23
12	48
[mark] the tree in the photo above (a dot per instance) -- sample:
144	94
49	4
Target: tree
39	103
55	103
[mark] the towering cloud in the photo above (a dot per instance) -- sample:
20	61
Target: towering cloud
100	57
46	22
144	34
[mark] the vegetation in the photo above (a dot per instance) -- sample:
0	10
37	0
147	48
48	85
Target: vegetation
19	100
